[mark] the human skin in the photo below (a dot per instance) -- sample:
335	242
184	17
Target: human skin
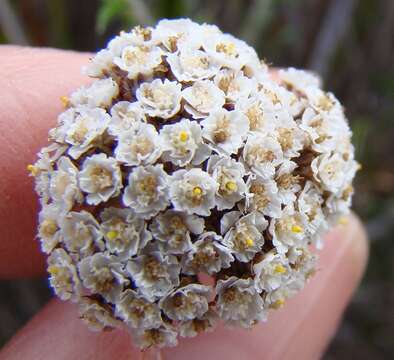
32	82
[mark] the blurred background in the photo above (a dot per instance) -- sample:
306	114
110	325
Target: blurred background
349	42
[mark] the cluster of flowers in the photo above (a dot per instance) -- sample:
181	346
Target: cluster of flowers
186	157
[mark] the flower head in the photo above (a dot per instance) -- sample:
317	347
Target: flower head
188	184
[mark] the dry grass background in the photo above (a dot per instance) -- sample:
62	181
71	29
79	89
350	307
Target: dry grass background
350	42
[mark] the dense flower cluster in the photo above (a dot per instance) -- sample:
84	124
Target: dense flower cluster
187	156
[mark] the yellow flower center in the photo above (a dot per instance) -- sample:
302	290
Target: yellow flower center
65	101
228	48
183	136
112	234
249	242
297	229
280	269
33	170
48	228
277	304
231	186
343	220
53	270
197	191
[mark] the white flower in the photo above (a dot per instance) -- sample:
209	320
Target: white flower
81	233
277	298
299	79
262	196
288	230
191	328
100	64
123	232
49	220
139	60
228	173
309	204
260	113
139	146
230	51
96	315
245	234
63	275
287	133
208	255
337	205
182	143
125	116
262	153
80	127
226	130
190	64
99	94
137	311
238	302
303	263
154	274
138	36
172	229
157	337
271	272
322	101
160	98
103	274
202	98
192	191
288	184
333	171
235	85
175	33
325	132
282	99
63	185
41	187
147	190
187	302
100	178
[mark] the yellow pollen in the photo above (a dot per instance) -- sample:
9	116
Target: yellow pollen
197	191
65	101
343	220
53	270
183	136
297	229
277	304
280	269
249	242
112	234
231	186
34	170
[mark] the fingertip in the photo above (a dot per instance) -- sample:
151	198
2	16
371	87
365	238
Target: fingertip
32	81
